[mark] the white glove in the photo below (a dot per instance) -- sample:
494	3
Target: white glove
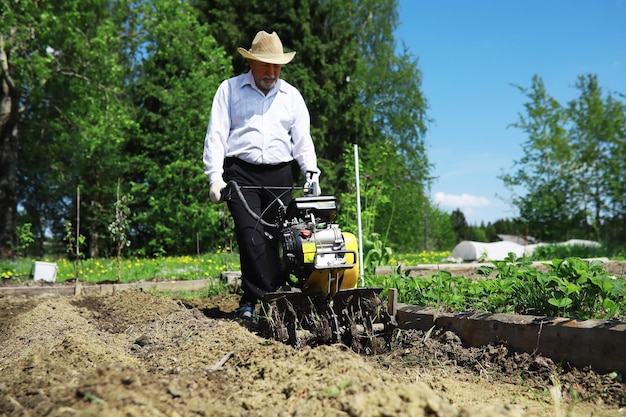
312	184
216	188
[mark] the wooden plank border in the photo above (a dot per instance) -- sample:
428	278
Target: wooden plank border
600	344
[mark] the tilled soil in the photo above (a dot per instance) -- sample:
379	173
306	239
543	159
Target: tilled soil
133	353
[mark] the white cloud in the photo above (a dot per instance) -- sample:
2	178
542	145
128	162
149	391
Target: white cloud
463	201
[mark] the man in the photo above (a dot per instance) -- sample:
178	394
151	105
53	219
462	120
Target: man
259	125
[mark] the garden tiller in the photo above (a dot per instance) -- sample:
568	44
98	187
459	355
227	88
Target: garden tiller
322	304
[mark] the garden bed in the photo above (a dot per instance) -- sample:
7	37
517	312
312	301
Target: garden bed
133	353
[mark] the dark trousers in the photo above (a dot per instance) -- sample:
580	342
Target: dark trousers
258	244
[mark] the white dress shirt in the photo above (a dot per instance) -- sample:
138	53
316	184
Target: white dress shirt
257	128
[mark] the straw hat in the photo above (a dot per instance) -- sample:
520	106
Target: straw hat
267	48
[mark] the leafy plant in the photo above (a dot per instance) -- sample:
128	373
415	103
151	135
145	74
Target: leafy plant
376	253
25	238
572	287
73	245
119	228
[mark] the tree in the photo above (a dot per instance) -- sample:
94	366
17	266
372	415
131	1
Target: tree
9	104
122	89
395	149
75	115
16	33
325	36
572	167
80	126
597	137
546	167
181	69
439	233
459	225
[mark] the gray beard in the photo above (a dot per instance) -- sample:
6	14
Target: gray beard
268	84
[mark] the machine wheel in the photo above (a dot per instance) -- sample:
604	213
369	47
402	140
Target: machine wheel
355	317
365	323
281	321
329	330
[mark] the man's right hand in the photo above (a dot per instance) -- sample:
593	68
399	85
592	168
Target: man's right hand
312	184
215	190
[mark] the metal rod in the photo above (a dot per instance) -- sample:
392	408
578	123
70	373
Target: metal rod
358	213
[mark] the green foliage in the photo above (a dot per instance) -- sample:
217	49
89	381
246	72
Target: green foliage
438	233
6	270
140	269
459	225
25	238
544	252
392	205
376	253
119	228
114	91
182	68
121	89
74	243
77	114
424	257
573	164
572	288
463	231
359	90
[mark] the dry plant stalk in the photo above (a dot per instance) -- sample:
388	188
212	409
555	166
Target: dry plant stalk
217	365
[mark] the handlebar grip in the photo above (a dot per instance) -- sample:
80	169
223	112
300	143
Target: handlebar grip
226	191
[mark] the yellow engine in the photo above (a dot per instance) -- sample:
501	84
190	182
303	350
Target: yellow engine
329	279
322	258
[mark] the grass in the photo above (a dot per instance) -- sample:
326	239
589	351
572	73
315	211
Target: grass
162	268
424	257
132	270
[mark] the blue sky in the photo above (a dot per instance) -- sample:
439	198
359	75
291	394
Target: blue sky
471	52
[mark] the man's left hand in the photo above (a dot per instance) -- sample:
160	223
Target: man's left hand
215	190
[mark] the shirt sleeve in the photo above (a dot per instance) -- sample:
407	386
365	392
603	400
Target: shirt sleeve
303	147
217	134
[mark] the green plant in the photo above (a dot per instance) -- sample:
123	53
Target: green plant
25	238
541	253
73	244
119	228
6	270
572	288
141	269
376	253
583	289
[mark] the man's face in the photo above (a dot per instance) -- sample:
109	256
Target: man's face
265	75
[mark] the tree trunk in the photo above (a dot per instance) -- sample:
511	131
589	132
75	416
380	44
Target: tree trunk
9	101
